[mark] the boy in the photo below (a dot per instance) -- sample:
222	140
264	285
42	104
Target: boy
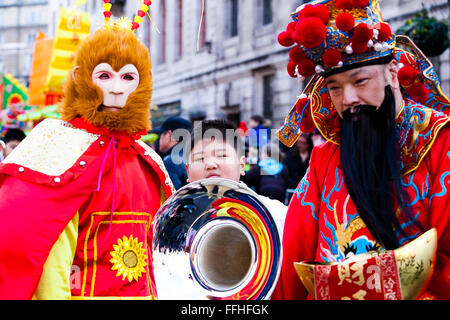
216	151
11	140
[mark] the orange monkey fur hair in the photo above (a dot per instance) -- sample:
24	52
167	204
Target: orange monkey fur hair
83	98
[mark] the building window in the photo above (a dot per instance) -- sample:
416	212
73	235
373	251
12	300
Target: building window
162	37
31	37
268	96
232	21
179	30
32	17
266	12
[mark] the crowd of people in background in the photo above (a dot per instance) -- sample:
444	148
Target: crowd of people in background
272	169
10	140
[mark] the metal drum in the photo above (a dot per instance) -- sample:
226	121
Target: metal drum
214	239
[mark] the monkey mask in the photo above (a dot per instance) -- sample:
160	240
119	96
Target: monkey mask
111	85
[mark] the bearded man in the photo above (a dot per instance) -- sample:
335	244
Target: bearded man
381	179
78	194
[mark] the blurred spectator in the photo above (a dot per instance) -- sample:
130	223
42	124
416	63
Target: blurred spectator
259	134
173	160
269	177
297	160
155	146
317	138
252	157
2	150
267	123
12	138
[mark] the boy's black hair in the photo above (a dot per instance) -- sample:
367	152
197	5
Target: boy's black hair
257	118
13	134
217	128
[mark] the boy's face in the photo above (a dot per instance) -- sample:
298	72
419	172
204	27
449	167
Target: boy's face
214	158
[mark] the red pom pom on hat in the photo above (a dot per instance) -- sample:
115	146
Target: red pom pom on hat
384	31
107	14
321	11
331	57
418	92
318	11
407	75
360	3
344	4
300	104
296	54
310	32
362	33
291	69
345	21
306	12
285	38
358	47
307	124
291	26
306	68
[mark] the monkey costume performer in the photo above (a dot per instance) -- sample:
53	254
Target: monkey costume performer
371	218
78	194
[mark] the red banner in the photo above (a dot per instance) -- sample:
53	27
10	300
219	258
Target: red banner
375	278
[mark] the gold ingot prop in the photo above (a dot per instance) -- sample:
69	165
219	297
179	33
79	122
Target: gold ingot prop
415	264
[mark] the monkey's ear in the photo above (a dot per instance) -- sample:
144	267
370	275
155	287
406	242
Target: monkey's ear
74	72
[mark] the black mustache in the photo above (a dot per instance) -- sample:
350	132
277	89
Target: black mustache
348	115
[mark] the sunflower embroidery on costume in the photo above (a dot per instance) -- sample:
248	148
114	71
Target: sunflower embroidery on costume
129	258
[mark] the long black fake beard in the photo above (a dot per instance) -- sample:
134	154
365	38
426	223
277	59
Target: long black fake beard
370	162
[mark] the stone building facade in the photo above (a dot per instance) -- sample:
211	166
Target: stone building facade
231	67
234	67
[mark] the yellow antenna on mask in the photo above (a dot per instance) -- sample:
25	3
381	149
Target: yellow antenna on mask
151	20
137	19
200	25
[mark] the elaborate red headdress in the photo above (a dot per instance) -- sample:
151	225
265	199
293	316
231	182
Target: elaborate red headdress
331	36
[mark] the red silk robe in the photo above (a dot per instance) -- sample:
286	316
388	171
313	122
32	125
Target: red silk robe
322	223
61	170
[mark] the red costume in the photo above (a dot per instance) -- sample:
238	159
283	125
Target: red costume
323	228
46	205
322	223
79	194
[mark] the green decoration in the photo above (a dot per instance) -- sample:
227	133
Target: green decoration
429	34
